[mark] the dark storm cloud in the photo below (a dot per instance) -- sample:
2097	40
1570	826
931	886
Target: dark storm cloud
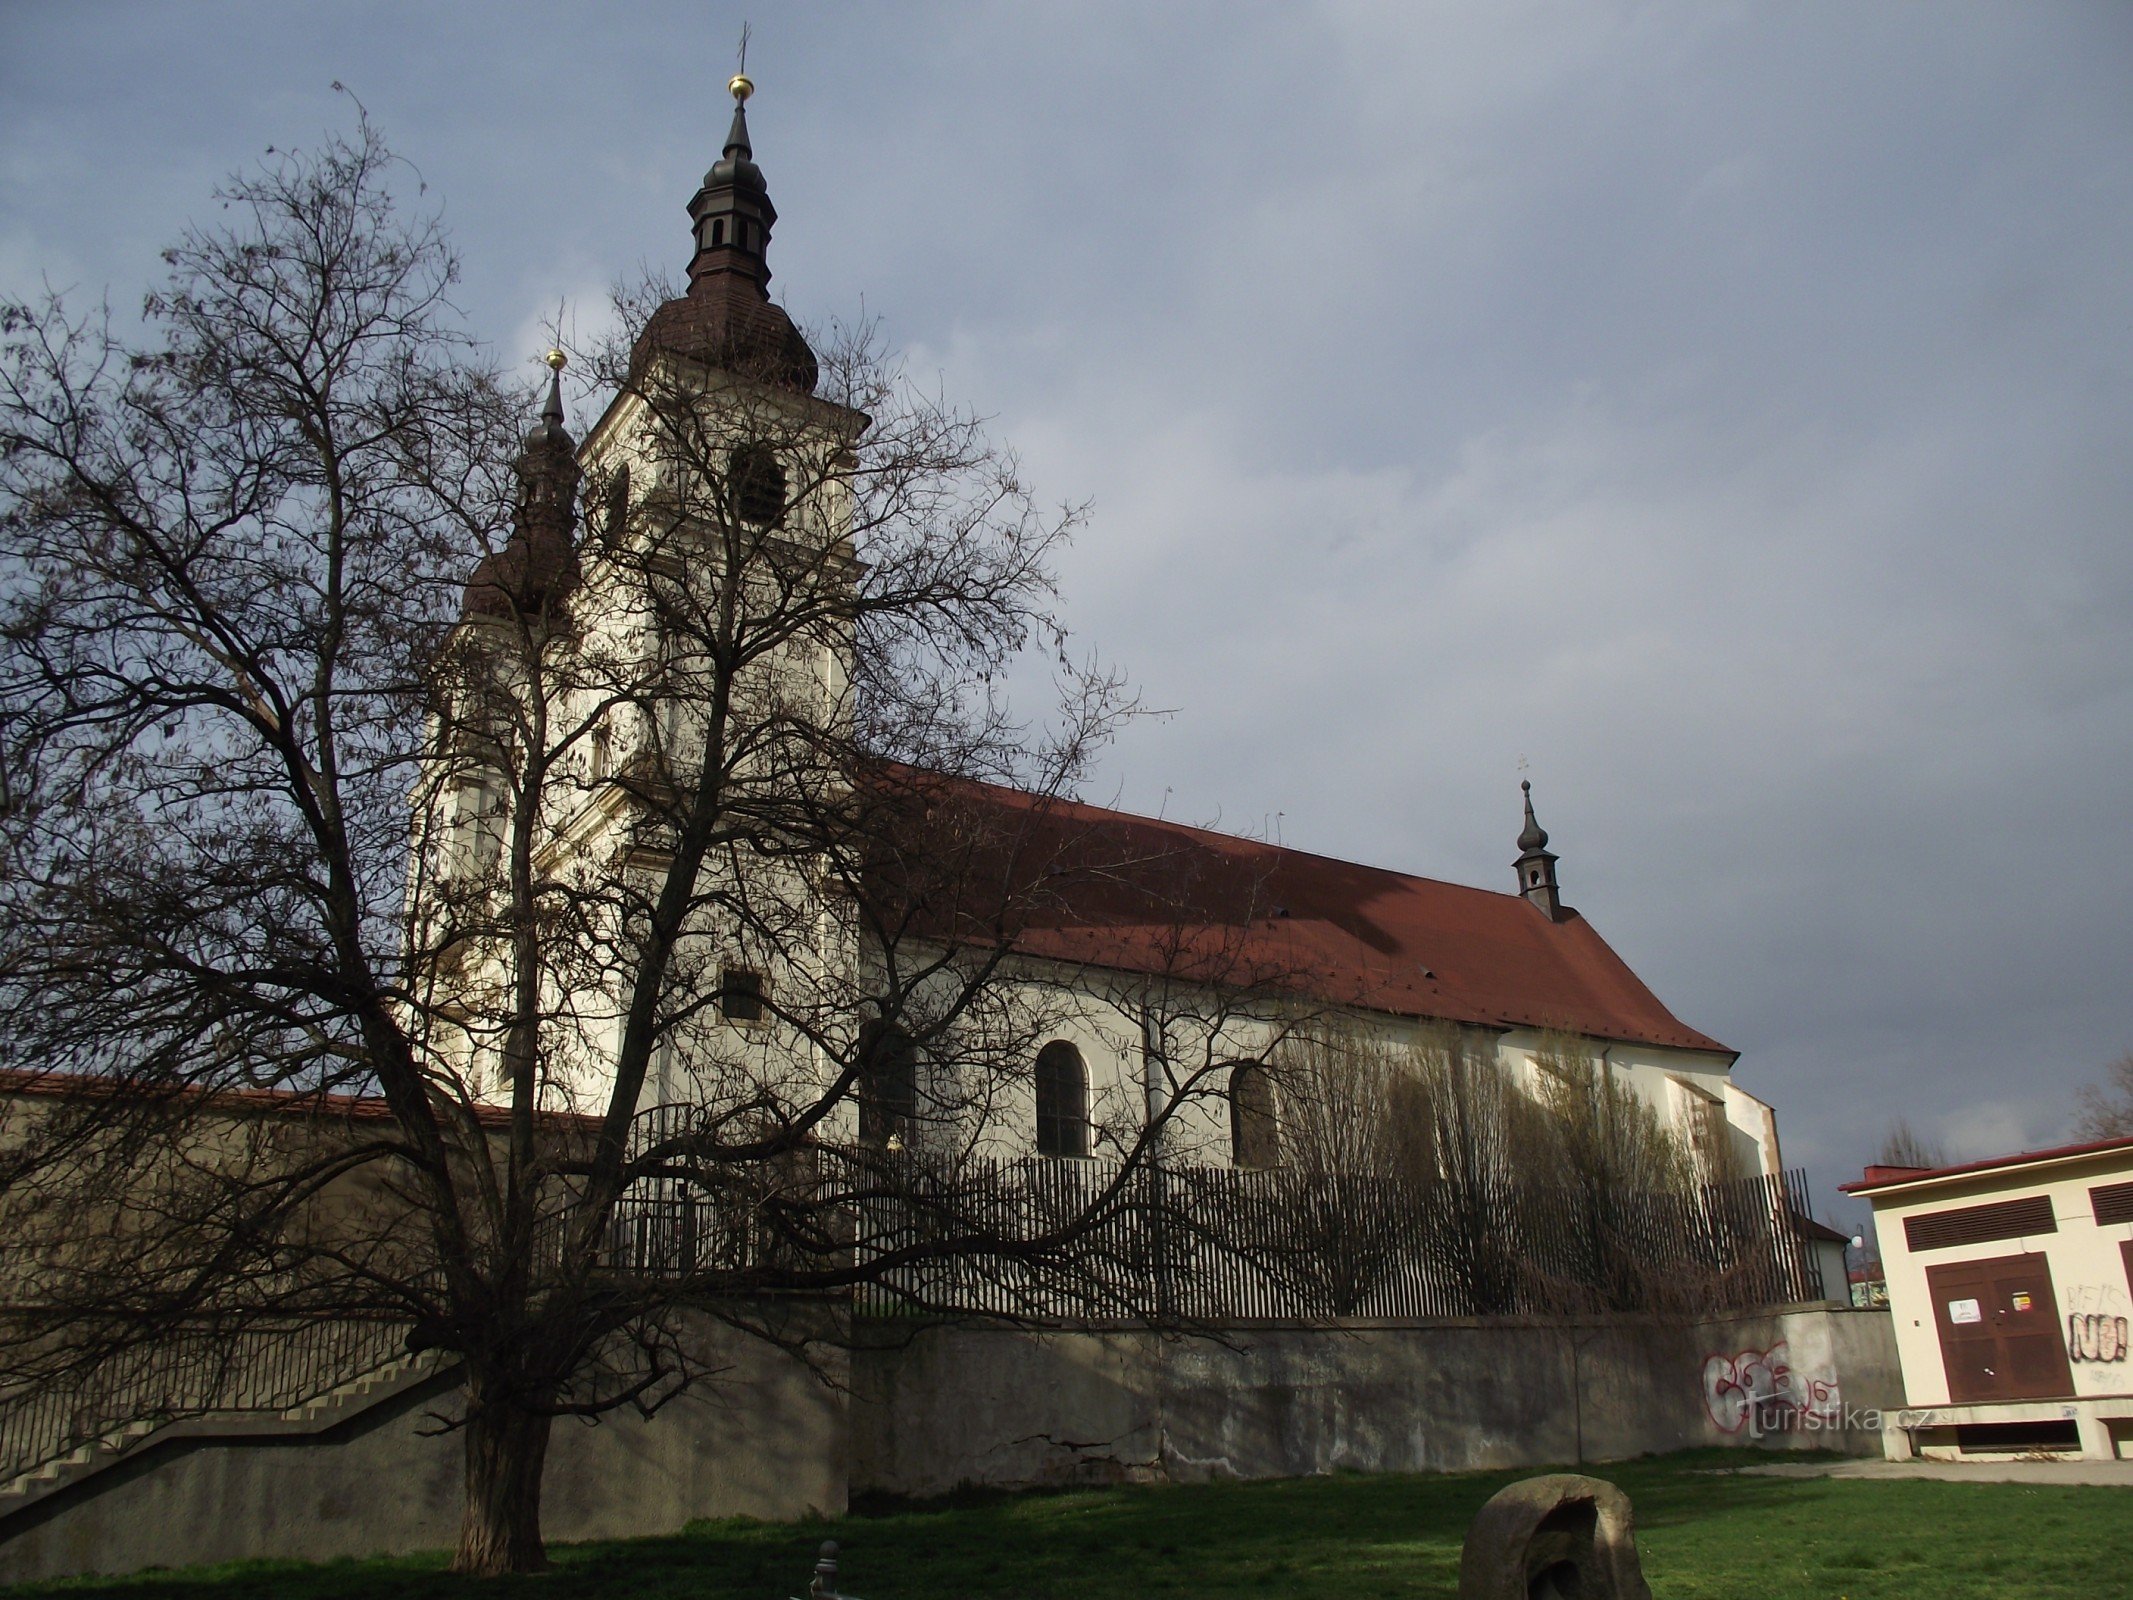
1722	409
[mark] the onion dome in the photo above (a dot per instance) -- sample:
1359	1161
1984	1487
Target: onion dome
1533	836
538	565
727	318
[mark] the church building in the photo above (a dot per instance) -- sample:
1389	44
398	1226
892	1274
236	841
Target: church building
1318	944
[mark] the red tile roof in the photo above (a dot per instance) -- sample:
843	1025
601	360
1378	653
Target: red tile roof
1812	1229
1140	895
302	1102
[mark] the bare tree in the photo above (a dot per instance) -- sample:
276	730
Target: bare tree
2107	1108
1403	1150
1566	1194
1479	1131
1612	1158
1349	1160
1904	1146
1347	1103
1609	1136
634	926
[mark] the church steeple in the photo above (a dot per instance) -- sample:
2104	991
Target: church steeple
1536	864
727	318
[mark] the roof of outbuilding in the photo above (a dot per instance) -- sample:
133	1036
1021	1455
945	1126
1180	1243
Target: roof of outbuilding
71	1085
1881	1176
1142	895
1812	1229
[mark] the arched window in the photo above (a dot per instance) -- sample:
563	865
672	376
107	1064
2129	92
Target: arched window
1062	1101
757	483
888	1085
1253	1138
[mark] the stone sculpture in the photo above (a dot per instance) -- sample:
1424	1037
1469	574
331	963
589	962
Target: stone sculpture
1558	1537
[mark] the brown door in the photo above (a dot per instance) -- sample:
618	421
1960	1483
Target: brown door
1999	1330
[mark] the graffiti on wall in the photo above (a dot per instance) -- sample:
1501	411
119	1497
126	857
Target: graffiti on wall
1761	1391
2096	1327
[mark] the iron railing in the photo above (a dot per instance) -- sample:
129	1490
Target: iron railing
1214	1245
189	1374
1065	1240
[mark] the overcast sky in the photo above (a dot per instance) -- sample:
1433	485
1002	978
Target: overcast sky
1725	410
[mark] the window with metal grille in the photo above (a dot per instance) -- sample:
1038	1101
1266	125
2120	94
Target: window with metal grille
2003	1219
2113	1202
1062	1101
740	995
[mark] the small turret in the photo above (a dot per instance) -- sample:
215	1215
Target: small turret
1536	864
538	565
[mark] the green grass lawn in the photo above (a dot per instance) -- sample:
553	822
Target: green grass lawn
1347	1537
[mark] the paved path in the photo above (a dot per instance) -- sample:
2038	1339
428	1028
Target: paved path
2120	1472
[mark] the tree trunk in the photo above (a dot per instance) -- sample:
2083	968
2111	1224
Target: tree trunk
500	1524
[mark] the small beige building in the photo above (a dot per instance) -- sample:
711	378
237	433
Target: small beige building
2011	1285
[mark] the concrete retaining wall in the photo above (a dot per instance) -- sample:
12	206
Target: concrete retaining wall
770	1439
995	1406
764	1439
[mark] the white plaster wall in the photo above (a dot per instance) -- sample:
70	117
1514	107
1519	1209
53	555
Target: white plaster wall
1100	1013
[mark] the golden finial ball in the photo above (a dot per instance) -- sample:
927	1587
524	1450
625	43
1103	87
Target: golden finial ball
556	360
740	86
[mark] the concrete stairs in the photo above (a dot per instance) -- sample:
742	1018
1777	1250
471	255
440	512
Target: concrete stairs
313	1416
